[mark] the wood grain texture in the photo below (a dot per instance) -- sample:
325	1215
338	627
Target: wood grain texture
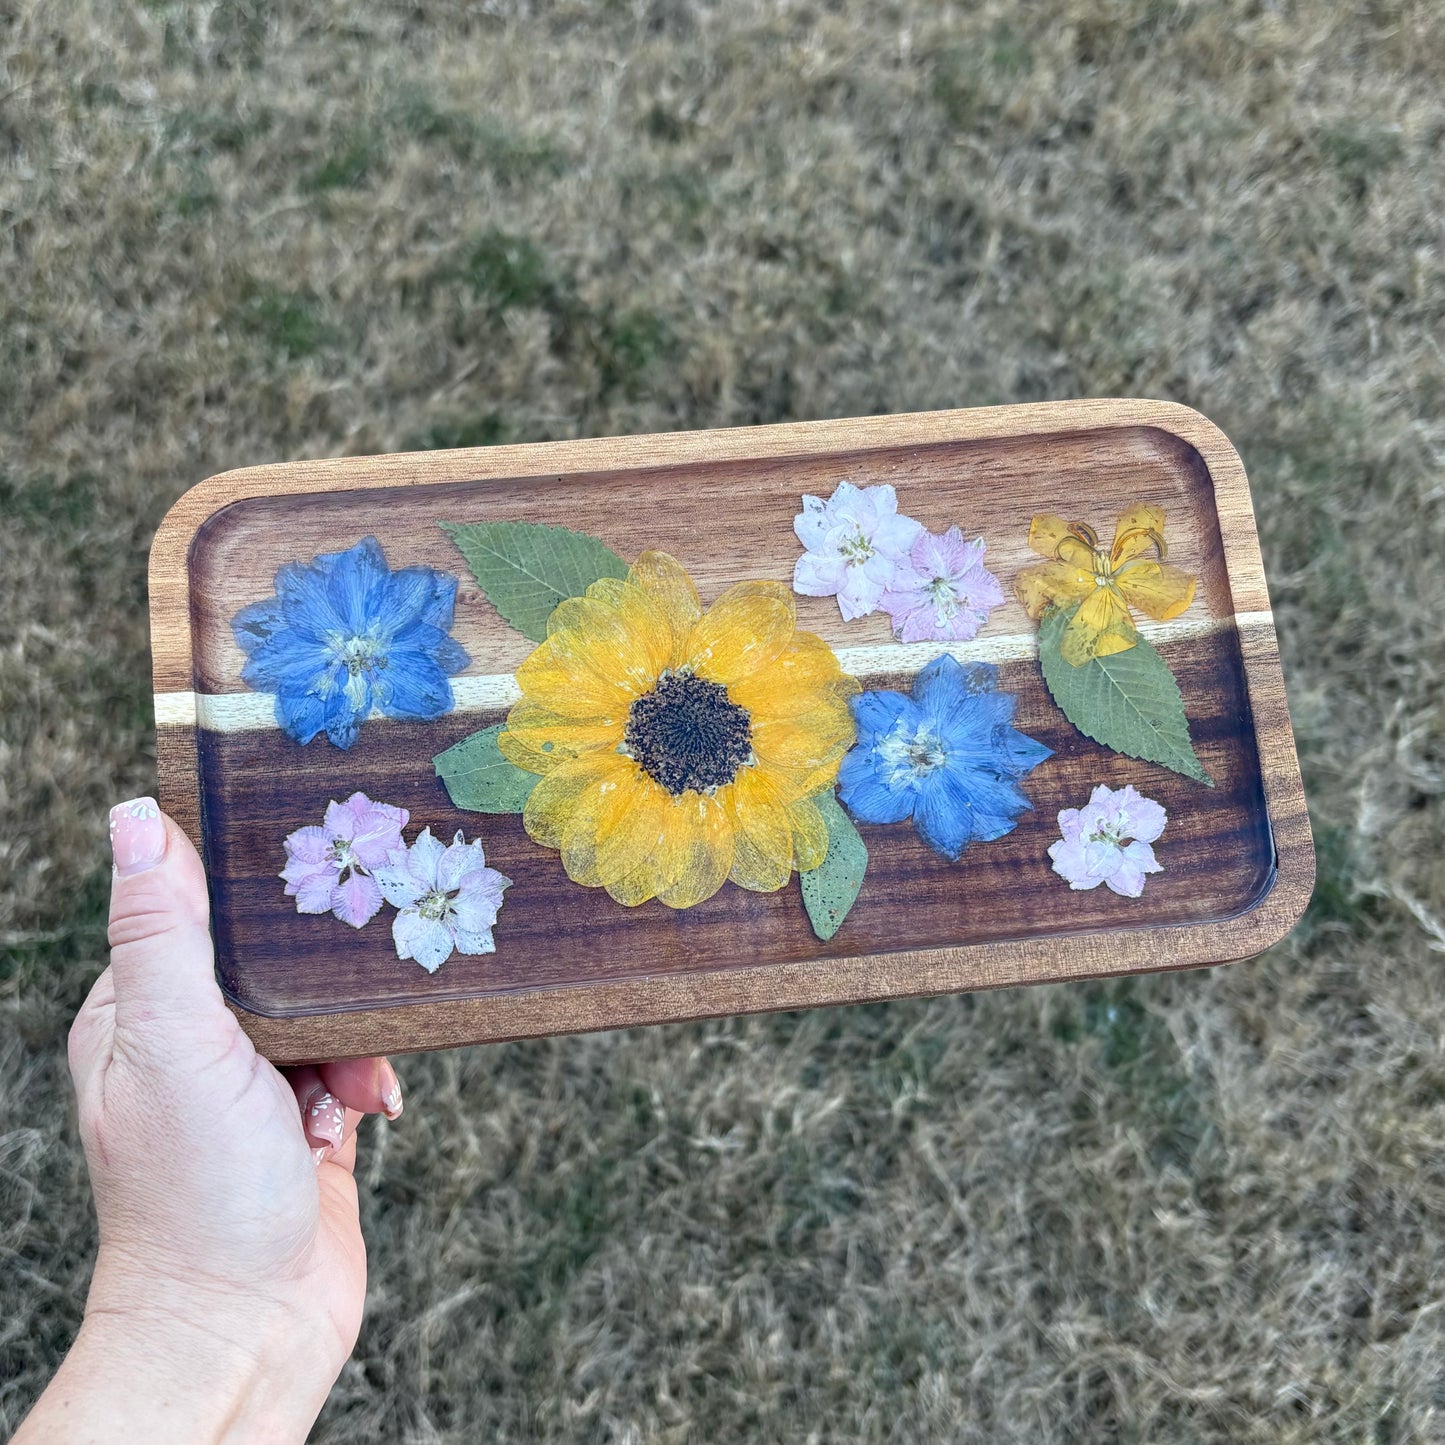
1239	858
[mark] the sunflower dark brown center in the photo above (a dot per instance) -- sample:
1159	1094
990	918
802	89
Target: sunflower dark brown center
687	733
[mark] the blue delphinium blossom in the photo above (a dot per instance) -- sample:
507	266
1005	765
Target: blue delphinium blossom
344	634
948	757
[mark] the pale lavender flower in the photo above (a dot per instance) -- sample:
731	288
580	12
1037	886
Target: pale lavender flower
446	897
855	540
1093	849
328	869
941	592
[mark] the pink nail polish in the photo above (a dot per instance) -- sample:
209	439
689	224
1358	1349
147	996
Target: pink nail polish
390	1091
326	1121
318	1156
137	836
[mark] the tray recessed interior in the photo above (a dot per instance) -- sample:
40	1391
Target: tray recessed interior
258	785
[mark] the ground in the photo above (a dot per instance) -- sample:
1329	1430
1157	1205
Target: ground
1207	1207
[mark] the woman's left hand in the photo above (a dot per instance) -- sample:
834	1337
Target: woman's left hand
231	1274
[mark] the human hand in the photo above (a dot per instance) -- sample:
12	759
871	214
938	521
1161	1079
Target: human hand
229	1283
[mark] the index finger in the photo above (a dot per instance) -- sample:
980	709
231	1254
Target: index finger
367	1085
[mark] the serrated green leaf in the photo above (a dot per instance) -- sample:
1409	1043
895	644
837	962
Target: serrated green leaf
831	889
1128	701
527	568
480	779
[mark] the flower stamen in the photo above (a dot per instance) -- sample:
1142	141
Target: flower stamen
434	904
857	548
945	604
911	758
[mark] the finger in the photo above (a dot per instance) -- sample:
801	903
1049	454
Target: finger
370	1085
92	1036
344	1156
323	1115
330	1127
160	941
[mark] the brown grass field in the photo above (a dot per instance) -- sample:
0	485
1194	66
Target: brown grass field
1207	1207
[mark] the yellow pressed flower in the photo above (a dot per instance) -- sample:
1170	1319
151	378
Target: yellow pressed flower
1105	584
679	748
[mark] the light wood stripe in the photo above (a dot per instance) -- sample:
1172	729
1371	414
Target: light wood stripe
233	712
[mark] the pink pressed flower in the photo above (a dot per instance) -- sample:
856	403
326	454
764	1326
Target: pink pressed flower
1093	849
328	868
855	540
446	897
942	592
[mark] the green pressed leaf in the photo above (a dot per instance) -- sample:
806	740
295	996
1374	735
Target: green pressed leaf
831	889
1128	701
526	568
480	779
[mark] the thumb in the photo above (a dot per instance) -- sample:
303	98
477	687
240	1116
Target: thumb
161	957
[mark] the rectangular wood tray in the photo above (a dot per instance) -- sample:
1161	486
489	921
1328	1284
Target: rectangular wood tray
1239	861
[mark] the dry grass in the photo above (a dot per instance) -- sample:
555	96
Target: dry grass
1200	1208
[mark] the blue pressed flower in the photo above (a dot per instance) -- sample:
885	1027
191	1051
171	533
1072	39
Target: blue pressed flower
345	634
948	757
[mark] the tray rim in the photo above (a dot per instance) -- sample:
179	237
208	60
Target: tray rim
711	993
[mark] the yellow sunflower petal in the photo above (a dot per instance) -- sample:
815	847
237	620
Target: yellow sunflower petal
664	580
634	888
552	804
632	831
538	739
1139	529
800	751
689	856
823	777
762	833
806	671
745	629
700	852
1036	587
810	834
1156	589
595	814
615	630
1101	626
560	675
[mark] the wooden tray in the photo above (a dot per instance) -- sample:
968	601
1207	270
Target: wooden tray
1239	858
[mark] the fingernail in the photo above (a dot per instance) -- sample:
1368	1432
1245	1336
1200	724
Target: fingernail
137	836
390	1091
326	1121
318	1156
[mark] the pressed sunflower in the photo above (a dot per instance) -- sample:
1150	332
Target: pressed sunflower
1105	584
679	748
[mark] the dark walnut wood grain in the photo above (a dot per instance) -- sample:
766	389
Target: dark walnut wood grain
1238	857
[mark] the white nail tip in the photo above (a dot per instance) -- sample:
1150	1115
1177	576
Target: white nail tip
141	809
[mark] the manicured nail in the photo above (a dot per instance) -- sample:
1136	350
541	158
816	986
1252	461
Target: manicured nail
318	1156
390	1091
326	1121
137	836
